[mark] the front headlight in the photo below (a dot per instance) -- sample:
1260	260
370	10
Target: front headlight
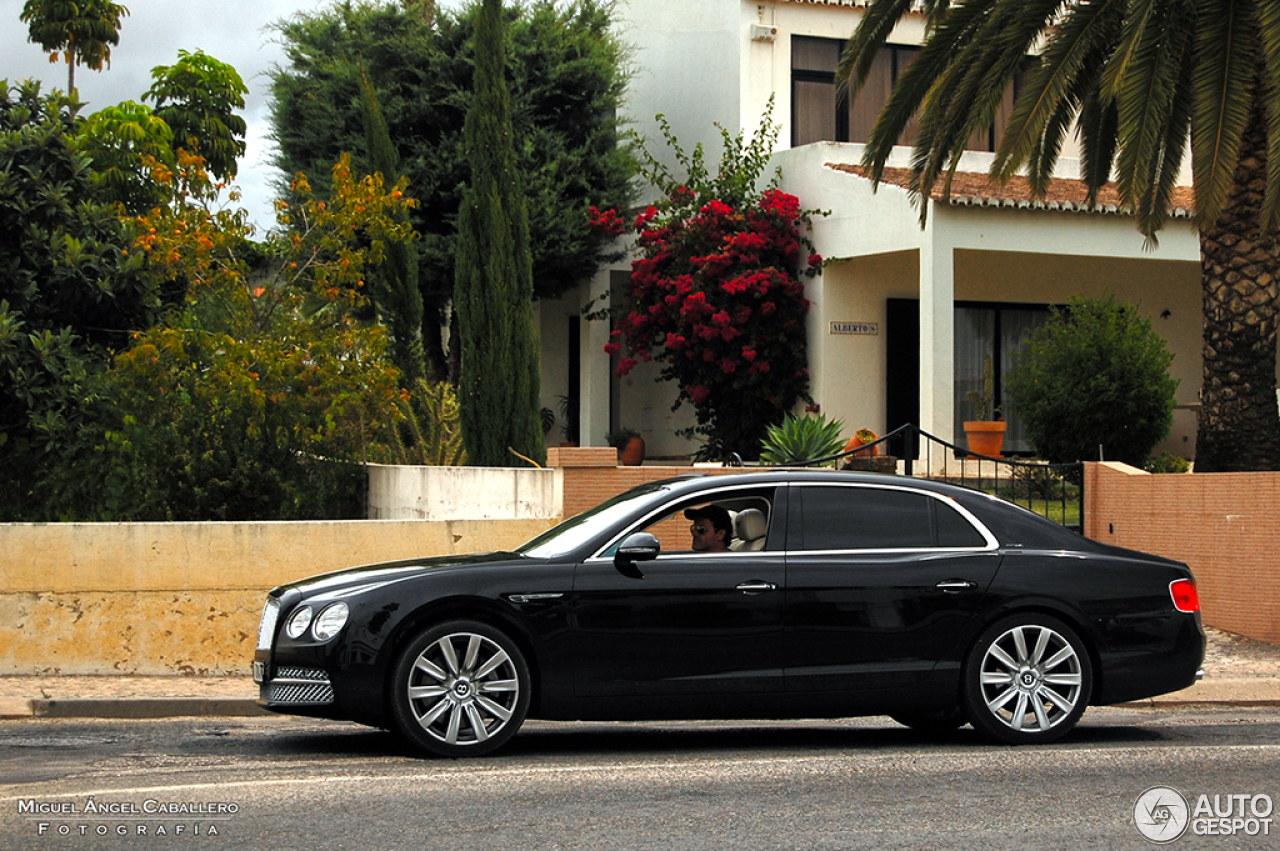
298	622
331	621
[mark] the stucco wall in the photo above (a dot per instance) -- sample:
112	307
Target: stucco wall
462	493
1223	525
169	598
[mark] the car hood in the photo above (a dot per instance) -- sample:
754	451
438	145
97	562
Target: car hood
372	575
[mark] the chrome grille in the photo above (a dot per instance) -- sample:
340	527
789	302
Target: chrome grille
267	626
298	686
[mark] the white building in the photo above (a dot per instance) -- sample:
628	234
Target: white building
902	318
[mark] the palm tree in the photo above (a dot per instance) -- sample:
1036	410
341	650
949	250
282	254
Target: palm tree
1139	79
83	31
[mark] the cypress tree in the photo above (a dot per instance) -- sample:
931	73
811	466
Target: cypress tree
396	281
493	287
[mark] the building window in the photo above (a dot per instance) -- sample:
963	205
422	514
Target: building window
819	115
995	332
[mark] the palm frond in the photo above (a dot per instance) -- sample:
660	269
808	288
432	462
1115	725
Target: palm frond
1098	134
1153	207
870	36
1225	49
1268	25
925	72
1052	92
1145	95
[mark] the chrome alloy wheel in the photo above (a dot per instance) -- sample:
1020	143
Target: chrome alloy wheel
1032	679
463	689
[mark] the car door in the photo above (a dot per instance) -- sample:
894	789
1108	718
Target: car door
696	623
882	581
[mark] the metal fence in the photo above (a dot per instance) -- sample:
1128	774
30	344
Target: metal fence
1055	491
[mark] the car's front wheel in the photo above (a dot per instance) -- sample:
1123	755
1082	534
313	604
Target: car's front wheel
460	689
1027	679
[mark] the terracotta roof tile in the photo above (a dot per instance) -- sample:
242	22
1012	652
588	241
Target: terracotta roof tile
975	189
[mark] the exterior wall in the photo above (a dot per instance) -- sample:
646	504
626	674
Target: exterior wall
462	493
1223	525
175	598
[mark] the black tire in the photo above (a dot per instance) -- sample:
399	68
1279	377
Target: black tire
932	722
1027	679
460	689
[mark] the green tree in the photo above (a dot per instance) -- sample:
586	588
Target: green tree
120	139
82	31
395	287
499	383
566	71
1095	376
70	290
1138	78
197	96
261	397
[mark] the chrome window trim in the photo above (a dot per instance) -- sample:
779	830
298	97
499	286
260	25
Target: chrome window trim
992	544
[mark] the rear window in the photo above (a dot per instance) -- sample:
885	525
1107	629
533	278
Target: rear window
867	518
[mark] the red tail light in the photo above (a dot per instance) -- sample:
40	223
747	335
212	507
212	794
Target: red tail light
1185	598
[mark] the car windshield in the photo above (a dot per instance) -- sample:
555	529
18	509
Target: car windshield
576	531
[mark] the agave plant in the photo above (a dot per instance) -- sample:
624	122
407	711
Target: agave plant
798	439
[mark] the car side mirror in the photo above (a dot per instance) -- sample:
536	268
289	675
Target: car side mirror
640	546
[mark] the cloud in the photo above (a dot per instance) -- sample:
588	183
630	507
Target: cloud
237	32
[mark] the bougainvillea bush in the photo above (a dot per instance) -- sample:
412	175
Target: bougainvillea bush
715	294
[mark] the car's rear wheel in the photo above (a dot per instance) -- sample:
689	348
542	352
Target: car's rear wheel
460	689
1027	679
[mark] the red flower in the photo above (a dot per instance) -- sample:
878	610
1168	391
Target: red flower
699	394
815	261
612	348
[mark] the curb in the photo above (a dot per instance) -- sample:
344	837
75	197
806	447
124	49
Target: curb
126	708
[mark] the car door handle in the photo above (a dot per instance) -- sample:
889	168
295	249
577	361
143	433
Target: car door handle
955	586
756	586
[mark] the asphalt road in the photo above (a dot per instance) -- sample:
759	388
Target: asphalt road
286	783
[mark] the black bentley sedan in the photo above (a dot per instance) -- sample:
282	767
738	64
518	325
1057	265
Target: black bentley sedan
778	594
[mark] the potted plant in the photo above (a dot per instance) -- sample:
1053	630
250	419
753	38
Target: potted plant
863	437
630	446
985	432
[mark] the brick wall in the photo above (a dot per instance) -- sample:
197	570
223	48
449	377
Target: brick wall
1226	526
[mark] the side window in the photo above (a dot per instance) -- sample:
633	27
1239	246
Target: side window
953	529
748	513
863	518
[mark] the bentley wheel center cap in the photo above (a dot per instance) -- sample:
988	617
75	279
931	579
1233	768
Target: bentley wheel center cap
462	689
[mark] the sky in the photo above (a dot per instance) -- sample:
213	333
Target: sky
236	32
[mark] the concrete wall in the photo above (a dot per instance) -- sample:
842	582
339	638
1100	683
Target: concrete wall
462	493
1221	524
185	598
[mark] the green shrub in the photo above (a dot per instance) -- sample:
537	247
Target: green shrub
798	439
1096	376
1167	462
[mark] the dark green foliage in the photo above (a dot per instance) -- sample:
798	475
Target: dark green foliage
798	439
197	97
1095	376
395	283
493	295
69	292
566	77
83	31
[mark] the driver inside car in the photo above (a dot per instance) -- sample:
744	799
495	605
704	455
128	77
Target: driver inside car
711	528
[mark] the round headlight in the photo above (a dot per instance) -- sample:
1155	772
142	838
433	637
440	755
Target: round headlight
331	620
298	622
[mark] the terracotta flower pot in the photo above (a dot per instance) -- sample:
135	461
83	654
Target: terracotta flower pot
632	455
985	437
856	441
